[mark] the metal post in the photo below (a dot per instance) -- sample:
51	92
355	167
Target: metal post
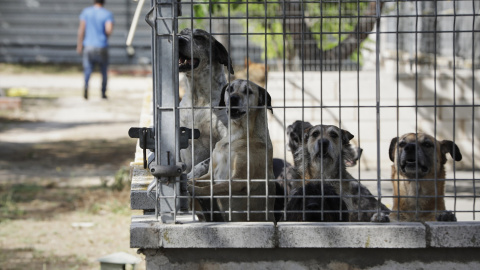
163	19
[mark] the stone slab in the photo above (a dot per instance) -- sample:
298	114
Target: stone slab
454	234
202	235
351	235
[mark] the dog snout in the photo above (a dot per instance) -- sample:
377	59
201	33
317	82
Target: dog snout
182	41
410	152
234	100
322	146
410	147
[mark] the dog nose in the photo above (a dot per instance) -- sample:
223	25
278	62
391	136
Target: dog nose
182	41
323	145
234	100
410	147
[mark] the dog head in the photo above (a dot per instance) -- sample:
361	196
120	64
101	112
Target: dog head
415	154
240	95
325	143
194	49
295	133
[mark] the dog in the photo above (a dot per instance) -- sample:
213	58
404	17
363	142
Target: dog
420	156
203	60
245	102
205	78
295	133
320	158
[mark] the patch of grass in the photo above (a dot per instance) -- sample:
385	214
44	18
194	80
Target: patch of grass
8	207
11	196
122	179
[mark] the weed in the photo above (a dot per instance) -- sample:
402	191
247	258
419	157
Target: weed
122	179
8	207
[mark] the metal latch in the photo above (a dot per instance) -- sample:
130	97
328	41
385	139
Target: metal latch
186	134
147	140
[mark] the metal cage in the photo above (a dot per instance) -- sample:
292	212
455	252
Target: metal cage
374	69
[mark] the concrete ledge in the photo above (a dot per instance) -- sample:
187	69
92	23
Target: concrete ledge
145	232
454	234
202	235
351	235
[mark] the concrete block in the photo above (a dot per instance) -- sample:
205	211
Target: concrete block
141	178
351	235
203	235
144	235
454	234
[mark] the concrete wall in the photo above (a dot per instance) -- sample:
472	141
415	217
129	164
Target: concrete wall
349	99
332	259
307	245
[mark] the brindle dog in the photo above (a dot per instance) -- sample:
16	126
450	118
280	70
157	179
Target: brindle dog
321	158
419	165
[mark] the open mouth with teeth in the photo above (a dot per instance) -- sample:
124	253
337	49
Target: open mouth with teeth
185	63
410	166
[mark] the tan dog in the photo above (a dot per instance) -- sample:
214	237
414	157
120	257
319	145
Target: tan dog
245	102
322	157
420	156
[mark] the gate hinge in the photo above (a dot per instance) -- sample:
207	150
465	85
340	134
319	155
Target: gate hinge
161	171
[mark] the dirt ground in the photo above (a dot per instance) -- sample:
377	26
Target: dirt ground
64	189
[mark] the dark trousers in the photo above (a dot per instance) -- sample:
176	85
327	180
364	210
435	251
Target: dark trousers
91	57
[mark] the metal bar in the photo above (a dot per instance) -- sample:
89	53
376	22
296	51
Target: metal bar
165	79
377	97
133	26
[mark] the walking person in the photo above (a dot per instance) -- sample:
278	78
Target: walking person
96	25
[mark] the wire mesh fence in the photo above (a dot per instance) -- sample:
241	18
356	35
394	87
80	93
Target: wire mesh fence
316	111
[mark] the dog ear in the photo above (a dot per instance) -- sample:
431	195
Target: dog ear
222	96
306	133
391	149
346	136
264	98
221	55
450	147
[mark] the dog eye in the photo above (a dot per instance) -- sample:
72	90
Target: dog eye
427	144
315	134
333	135
200	38
402	144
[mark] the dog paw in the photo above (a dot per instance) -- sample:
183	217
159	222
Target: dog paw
380	218
190	187
447	216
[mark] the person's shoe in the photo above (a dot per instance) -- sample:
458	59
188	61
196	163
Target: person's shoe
85	93
104	96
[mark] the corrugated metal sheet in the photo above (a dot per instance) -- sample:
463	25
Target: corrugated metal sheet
45	31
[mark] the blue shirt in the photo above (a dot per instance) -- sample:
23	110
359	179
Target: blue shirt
95	19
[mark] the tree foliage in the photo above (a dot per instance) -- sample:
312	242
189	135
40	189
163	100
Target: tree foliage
277	26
